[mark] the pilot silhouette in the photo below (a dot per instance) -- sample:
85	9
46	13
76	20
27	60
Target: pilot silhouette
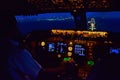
17	63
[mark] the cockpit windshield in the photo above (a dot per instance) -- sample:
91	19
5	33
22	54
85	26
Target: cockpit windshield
61	37
65	20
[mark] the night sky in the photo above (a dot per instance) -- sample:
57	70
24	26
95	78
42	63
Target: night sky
107	21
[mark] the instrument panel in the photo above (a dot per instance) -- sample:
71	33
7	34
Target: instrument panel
79	47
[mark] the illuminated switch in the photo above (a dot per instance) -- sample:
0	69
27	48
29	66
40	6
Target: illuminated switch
59	56
69	53
90	54
71	43
70	48
42	43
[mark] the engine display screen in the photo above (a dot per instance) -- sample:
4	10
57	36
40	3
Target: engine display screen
80	50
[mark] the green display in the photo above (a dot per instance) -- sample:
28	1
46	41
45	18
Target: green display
66	59
90	62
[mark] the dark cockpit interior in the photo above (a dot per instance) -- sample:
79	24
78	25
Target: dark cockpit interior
83	34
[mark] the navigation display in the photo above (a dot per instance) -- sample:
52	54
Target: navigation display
61	47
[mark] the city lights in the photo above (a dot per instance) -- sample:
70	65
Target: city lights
50	5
